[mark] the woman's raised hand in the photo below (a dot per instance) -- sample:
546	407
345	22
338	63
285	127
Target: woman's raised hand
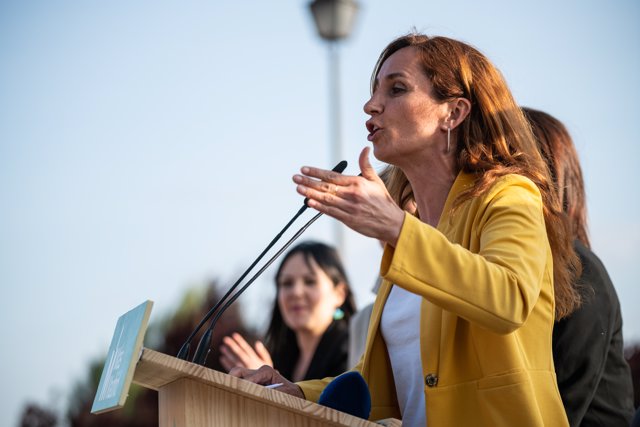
362	203
236	352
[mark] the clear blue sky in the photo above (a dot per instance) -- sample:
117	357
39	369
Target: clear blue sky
148	146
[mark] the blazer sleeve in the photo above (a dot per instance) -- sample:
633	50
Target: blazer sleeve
498	286
312	389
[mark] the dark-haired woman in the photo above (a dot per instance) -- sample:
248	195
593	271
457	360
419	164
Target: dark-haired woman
308	334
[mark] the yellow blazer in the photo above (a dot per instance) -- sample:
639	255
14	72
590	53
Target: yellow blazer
486	278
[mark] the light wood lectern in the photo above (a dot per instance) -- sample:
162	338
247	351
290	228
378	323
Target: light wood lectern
191	395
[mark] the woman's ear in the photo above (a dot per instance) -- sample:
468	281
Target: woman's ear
459	109
341	293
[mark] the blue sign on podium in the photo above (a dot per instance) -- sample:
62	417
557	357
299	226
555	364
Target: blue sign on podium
123	355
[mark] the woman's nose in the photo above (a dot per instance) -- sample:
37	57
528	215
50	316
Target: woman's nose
372	106
297	289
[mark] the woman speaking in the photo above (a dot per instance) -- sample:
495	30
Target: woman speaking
460	332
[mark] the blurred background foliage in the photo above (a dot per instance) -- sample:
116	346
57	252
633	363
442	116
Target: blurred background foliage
165	335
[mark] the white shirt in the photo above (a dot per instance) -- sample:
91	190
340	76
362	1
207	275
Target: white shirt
400	326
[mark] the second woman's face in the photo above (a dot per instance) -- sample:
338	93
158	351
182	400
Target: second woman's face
306	296
406	119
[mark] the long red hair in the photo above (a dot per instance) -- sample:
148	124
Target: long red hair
494	140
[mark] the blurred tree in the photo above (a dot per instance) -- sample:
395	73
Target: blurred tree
36	416
166	336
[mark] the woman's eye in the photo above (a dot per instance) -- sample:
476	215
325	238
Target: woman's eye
286	284
396	90
310	282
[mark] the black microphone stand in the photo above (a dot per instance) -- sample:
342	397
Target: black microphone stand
183	353
204	346
184	350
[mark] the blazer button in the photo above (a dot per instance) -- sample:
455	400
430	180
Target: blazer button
431	380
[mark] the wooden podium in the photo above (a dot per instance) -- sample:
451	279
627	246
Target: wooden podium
191	395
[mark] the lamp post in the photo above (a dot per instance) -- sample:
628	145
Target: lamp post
334	21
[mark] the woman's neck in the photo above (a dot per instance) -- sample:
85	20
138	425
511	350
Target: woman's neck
307	345
431	181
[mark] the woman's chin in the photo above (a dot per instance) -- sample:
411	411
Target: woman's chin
381	153
297	323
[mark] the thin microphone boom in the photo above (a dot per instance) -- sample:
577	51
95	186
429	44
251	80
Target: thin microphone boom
204	346
184	350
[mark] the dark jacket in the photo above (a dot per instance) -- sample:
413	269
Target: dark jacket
329	360
593	376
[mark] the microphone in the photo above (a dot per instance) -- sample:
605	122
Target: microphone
348	393
204	346
206	338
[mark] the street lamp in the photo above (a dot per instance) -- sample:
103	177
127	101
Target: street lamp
334	18
334	21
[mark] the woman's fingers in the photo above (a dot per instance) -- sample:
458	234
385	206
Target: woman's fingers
323	175
367	171
326	192
318	198
360	202
330	188
321	184
238	352
234	347
266	375
242	344
244	373
229	359
227	363
263	353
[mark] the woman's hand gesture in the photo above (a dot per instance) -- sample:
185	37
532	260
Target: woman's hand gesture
236	352
362	203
